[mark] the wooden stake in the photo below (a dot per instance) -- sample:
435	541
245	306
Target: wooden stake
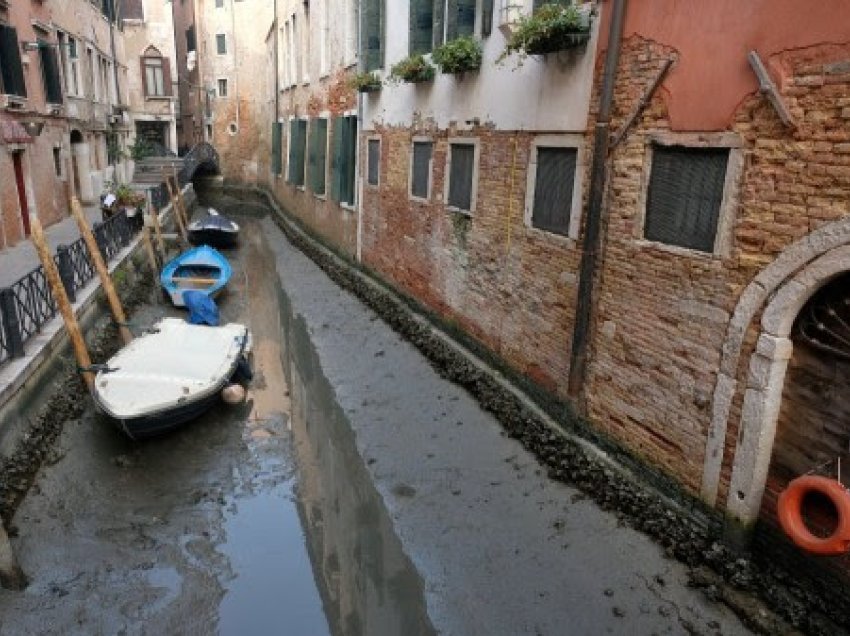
180	197
146	239
157	230
102	271
178	217
11	575
58	290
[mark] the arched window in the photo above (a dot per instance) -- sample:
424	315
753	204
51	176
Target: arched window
156	73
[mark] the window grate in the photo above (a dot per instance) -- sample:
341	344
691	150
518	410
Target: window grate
460	178
374	159
553	189
421	173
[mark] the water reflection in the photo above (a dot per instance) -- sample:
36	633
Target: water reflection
368	584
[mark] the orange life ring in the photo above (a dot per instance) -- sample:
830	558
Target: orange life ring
791	515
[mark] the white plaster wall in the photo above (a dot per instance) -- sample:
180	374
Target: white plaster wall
543	94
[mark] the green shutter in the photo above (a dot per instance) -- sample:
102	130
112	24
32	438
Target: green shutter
302	143
336	158
277	131
349	149
439	17
486	17
372	30
465	14
311	155
293	152
421	26
317	154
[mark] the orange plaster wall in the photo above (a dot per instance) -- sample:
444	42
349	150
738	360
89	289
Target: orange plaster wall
712	75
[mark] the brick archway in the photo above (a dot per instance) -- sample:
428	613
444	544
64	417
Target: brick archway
782	289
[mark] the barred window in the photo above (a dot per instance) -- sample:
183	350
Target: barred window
420	173
461	176
374	161
553	189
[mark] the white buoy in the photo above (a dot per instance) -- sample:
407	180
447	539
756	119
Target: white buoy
233	394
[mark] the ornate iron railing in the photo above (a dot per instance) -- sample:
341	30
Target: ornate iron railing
27	305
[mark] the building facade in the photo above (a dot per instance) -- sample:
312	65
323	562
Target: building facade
149	44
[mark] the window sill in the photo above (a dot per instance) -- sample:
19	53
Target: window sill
416	199
320	197
159	98
348	206
678	250
459	211
564	240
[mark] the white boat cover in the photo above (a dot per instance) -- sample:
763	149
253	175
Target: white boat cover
178	363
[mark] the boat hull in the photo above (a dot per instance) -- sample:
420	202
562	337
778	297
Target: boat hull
214	238
200	269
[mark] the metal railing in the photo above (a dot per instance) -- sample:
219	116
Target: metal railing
27	305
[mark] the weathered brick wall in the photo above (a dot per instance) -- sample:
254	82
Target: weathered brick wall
510	286
662	315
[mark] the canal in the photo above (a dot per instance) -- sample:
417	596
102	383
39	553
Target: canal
355	492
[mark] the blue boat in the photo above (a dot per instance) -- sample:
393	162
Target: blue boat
201	269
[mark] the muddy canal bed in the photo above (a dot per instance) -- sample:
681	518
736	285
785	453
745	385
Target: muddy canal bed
355	492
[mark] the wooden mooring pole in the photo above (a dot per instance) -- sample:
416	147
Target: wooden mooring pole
178	215
102	271
11	575
62	302
146	239
157	230
180	198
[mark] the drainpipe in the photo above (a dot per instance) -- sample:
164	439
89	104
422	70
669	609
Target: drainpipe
111	17
276	66
361	66
591	245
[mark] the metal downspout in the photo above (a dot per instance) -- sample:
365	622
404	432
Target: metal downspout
598	178
361	66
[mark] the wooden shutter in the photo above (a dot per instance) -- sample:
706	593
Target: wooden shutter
372	29
321	150
486	17
336	158
553	189
349	147
460	180
144	76
11	70
464	22
301	151
684	197
50	74
421	26
439	19
166	77
293	143
277	133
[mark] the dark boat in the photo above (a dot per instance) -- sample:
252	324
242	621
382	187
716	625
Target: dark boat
213	229
170	375
202	269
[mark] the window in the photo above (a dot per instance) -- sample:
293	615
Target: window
277	159
684	196
57	161
297	143
554	180
219	4
73	67
221	44
373	161
11	70
344	159
190	38
222	88
420	170
433	22
50	73
157	74
372	29
317	159
462	175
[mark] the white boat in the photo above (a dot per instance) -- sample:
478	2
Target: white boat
170	375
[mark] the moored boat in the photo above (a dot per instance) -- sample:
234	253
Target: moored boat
201	269
213	229
170	375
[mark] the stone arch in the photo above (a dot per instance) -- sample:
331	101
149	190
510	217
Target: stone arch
152	51
794	258
786	285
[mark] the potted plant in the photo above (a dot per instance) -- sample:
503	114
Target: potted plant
366	82
413	69
552	27
459	55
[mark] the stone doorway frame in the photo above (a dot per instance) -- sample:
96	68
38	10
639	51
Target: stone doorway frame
782	288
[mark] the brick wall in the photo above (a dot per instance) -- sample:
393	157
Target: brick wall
509	286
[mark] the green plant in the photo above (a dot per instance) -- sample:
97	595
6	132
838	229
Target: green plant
365	82
553	27
127	196
413	69
140	149
459	55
